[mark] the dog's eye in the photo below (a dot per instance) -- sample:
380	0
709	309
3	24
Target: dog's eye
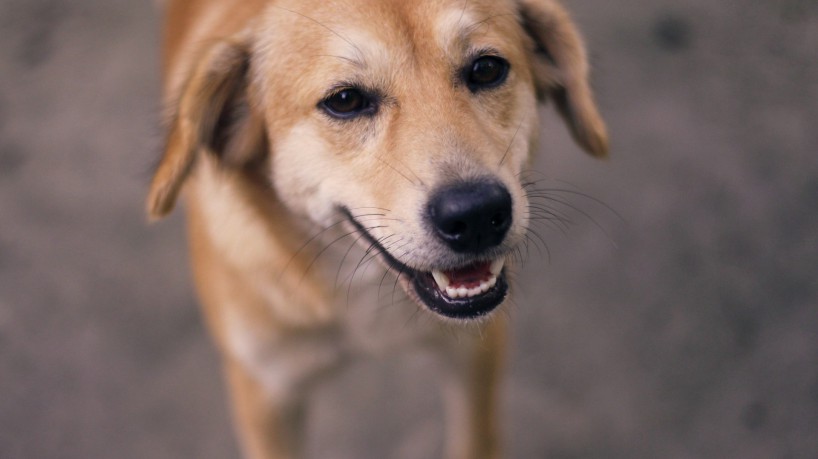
486	72
347	103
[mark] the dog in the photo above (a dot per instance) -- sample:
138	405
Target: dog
308	134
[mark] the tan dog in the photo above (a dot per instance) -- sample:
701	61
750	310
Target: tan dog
300	128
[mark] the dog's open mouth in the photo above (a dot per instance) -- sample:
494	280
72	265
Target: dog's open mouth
467	292
468	282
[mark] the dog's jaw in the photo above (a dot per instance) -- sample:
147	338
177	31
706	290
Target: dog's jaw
466	293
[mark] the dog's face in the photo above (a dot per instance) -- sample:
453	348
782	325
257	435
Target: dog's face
410	121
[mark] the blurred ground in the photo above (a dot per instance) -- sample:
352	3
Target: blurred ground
690	331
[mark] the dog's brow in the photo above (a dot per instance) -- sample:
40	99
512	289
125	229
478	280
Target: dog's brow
463	11
476	25
458	26
355	62
321	24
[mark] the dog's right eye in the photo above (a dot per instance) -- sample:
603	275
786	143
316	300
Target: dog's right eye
347	103
486	72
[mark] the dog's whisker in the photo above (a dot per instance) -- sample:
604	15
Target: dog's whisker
527	246
370	208
510	144
556	219
378	252
351	278
389	248
610	209
380	284
399	252
548	224
395	285
359	216
412	318
585	214
520	254
535	191
557	195
322	251
364	259
343	259
549	211
304	246
360	236
546	217
315	236
549	218
373	246
393	301
396	170
536	239
405	166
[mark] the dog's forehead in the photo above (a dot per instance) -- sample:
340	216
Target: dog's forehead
361	29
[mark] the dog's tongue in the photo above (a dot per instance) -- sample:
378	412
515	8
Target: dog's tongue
470	276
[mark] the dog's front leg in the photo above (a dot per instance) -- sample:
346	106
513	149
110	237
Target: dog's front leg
270	425
269	380
471	393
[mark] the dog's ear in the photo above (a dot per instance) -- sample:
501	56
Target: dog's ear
213	115
560	68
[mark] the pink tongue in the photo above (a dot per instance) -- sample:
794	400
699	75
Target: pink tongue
470	276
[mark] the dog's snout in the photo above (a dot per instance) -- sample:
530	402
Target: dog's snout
471	217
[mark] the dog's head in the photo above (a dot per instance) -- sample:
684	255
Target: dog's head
410	120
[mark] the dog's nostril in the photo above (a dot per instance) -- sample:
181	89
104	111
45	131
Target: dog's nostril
457	228
498	220
471	217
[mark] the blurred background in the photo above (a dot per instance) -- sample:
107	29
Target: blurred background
687	330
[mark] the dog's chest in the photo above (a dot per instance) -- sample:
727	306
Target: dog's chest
372	318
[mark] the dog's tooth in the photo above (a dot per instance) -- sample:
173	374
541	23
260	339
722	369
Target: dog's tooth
442	280
452	292
484	287
492	282
497	266
463	292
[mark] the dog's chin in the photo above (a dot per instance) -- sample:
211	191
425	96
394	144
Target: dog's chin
468	292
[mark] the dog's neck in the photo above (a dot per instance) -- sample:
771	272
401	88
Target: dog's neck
251	238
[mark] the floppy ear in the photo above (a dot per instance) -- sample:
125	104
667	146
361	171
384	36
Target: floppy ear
560	70
214	115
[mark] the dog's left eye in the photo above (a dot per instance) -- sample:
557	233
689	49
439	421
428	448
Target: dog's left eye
347	103
486	72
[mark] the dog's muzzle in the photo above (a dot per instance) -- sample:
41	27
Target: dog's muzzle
471	219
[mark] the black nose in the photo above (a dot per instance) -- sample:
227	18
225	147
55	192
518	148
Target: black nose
471	217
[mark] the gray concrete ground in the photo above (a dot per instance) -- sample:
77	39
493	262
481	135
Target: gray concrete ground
688	331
